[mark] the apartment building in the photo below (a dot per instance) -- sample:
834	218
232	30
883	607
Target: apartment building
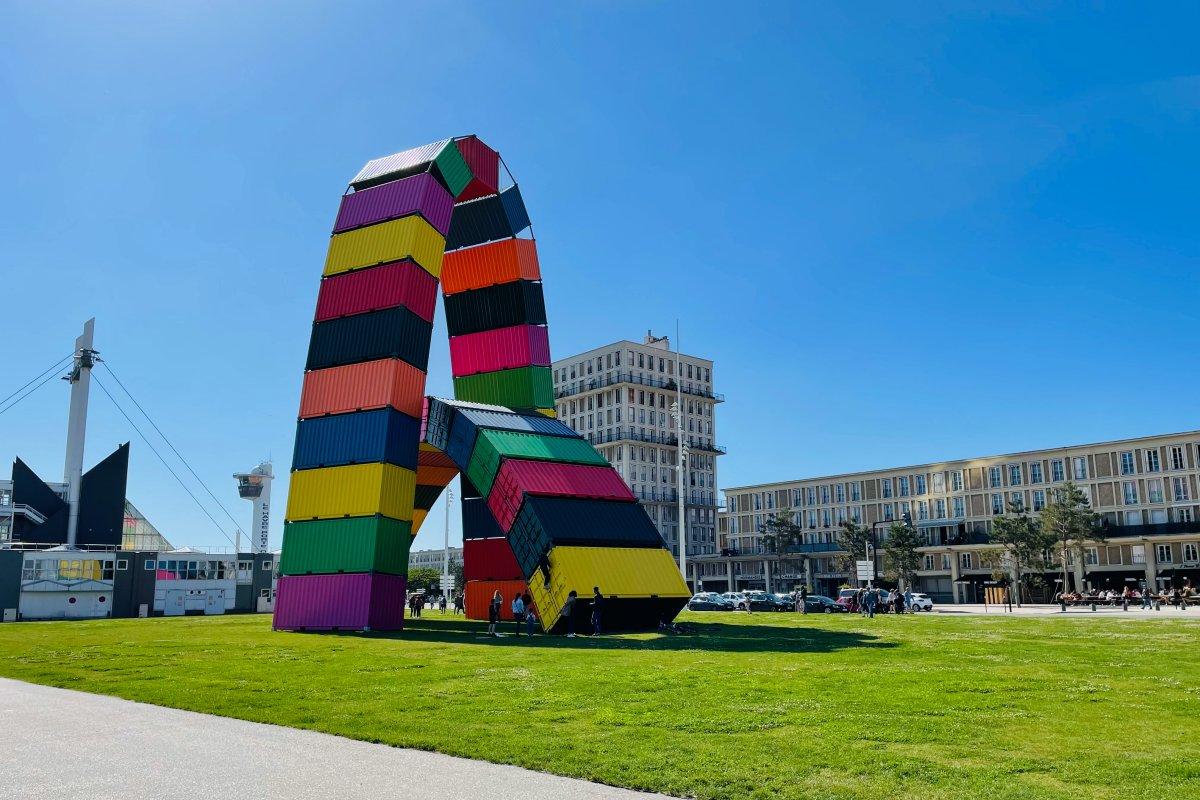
434	559
620	397
1145	491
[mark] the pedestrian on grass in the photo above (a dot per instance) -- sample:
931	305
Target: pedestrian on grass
530	620
803	597
518	611
442	603
494	612
458	604
870	599
908	599
597	609
568	611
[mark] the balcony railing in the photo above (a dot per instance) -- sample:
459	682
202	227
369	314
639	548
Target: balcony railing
1151	529
600	381
669	439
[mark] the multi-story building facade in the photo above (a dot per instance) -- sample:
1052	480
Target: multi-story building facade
619	397
434	559
1144	490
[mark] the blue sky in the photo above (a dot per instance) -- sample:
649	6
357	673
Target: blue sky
903	234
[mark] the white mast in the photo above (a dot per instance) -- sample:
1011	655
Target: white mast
255	486
80	379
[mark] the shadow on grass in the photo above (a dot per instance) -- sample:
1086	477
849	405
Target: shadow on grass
714	636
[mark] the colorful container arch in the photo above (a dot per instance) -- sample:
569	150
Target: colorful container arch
543	512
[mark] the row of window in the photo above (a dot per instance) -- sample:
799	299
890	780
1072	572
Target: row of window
665	366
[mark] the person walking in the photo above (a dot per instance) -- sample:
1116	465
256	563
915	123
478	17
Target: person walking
869	601
803	598
908	599
458	604
568	611
494	612
530	620
442	603
597	609
518	611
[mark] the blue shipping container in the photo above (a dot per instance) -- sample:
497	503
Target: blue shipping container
466	423
383	435
478	522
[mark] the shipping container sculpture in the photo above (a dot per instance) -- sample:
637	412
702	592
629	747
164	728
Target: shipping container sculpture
542	509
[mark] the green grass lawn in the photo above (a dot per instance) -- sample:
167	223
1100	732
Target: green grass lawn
762	706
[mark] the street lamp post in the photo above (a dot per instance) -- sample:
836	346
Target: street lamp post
446	545
682	470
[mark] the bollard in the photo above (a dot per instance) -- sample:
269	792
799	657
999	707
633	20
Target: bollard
1093	606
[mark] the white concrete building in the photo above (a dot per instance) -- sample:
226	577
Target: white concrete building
434	559
619	398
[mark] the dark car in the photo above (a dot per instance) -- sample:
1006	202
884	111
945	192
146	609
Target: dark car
709	601
820	604
761	601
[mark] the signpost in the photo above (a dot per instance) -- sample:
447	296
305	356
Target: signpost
866	570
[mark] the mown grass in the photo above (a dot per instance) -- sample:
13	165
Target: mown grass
762	706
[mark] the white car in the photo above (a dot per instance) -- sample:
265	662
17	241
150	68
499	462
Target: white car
921	602
739	600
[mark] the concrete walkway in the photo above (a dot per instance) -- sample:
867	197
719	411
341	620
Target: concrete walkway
73	746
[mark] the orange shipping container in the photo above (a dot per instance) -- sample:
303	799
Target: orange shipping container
355	387
489	264
435	476
479	594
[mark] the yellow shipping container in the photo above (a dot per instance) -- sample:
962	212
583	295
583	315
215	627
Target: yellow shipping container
409	237
548	412
626	572
357	490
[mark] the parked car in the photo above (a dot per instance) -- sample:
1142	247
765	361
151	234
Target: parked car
921	602
762	601
739	600
709	601
820	604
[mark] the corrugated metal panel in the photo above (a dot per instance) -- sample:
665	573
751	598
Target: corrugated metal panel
356	387
410	237
418	520
500	306
427	455
421	194
362	437
398	165
514	209
489	560
492	445
487	265
479	595
391	333
453	171
518	478
546	522
484	163
358	490
548	412
401	283
357	544
358	601
426	495
623	574
465	424
487	219
500	348
528	387
477	520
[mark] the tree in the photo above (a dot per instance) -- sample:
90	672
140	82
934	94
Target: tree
1068	521
779	531
854	539
901	558
1023	542
421	579
456	570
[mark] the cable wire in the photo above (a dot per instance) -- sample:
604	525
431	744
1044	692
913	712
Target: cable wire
173	450
154	450
56	365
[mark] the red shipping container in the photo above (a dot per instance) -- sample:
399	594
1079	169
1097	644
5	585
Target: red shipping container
400	283
518	478
485	166
351	601
479	595
358	387
490	264
489	560
501	348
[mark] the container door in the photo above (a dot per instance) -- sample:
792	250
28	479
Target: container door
173	605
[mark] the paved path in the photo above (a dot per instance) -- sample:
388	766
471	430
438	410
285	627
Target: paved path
73	746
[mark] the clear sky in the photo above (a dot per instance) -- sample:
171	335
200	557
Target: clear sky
902	234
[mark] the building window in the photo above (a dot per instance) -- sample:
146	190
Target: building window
939	483
922	509
960	508
1056	470
1177	461
888	511
1154	490
1039	499
1137	554
994	477
964	560
1114	555
1079	468
956	480
1035	472
903	486
824	494
1091	556
887	487
1180	486
149	566
997	503
1129	493
1014	474
921	488
945	561
1191	552
856	491
122	564
1127	467
928	561
1163	553
839	492
1183	515
1016	500
1152	463
939	508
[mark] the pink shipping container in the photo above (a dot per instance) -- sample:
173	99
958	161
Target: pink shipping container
420	194
518	478
400	283
500	348
351	601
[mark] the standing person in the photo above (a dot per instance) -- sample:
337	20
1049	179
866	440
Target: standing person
530	621
568	611
908	599
494	612
442	603
458	604
869	601
518	611
597	608
803	598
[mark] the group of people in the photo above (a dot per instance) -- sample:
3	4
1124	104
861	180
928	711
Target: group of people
869	601
1177	596
525	614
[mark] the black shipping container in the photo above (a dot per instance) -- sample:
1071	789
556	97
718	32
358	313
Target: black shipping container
545	522
391	333
426	496
478	522
500	216
500	306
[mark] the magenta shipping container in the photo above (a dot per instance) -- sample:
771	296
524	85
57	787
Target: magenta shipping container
501	348
518	478
420	194
350	601
400	283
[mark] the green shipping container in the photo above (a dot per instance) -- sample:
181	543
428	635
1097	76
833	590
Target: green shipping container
492	445
453	168
353	544
526	387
